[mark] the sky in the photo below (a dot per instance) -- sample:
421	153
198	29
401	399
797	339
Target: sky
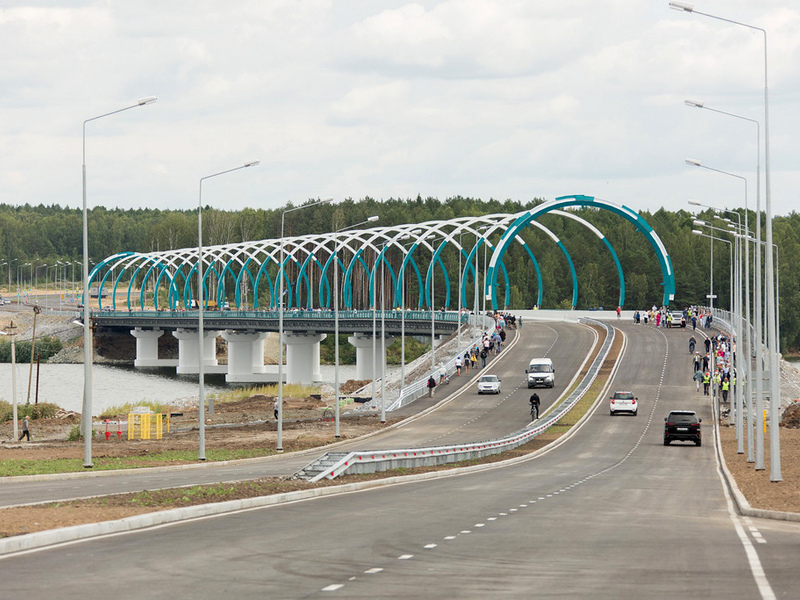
514	99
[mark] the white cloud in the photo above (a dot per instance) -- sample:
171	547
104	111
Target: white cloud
512	99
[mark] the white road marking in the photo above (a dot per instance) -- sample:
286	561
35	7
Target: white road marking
373	570
450	537
405	557
479	524
333	587
428	546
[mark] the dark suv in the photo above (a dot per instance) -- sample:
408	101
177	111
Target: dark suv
683	425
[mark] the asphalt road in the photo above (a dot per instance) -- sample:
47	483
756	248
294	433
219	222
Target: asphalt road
610	513
463	416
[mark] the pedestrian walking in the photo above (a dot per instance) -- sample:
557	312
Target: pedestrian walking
467	361
275	406
26	431
458	365
484	354
431	386
706	382
698	379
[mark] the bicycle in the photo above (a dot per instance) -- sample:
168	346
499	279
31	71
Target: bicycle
534	412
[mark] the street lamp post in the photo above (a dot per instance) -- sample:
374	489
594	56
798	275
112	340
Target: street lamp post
748	336
281	275
86	415
772	339
336	233
201	455
737	398
402	277
743	385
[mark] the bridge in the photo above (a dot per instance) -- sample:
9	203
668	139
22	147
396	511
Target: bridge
303	330
384	271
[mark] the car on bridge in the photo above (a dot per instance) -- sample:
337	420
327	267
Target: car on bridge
623	402
682	425
489	384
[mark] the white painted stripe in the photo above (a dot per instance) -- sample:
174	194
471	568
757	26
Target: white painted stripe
492	519
333	587
450	537
429	546
405	556
479	524
764	588
373	570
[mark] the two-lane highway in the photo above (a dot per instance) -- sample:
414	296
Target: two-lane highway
610	513
466	417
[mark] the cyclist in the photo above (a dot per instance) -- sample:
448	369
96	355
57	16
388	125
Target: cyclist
534	406
692	344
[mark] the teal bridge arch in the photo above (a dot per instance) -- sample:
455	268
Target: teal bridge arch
426	265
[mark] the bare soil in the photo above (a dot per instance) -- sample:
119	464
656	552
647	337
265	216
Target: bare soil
756	485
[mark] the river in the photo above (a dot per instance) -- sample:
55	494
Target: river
62	384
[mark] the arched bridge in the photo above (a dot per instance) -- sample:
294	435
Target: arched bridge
440	269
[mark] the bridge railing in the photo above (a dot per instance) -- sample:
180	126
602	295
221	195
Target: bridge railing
417	389
316	314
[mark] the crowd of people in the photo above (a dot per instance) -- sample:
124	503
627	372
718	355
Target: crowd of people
714	369
664	317
477	357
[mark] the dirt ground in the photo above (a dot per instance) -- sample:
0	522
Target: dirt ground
247	424
756	485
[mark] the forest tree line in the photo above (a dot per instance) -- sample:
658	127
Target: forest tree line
43	235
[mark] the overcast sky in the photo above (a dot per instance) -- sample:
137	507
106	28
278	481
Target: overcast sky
497	99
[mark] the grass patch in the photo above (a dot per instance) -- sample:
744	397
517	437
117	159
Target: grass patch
14	467
295	390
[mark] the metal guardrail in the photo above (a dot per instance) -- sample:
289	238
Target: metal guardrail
415	322
419	388
374	461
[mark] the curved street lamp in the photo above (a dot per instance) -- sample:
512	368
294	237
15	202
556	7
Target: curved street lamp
86	410
201	454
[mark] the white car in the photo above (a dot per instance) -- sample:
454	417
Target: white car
489	384
624	402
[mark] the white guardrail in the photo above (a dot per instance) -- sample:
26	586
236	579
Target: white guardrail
419	388
384	460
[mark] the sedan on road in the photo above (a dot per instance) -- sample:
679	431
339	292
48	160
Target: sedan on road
682	425
623	402
489	384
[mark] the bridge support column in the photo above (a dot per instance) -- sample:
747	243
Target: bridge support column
147	349
188	351
302	357
363	345
245	356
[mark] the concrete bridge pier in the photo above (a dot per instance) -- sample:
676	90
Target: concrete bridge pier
302	357
245	357
147	349
188	351
363	346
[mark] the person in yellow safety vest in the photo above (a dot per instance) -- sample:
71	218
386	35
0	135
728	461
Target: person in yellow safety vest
716	380
725	387
706	382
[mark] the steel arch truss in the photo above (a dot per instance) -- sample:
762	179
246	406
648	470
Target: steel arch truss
404	264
